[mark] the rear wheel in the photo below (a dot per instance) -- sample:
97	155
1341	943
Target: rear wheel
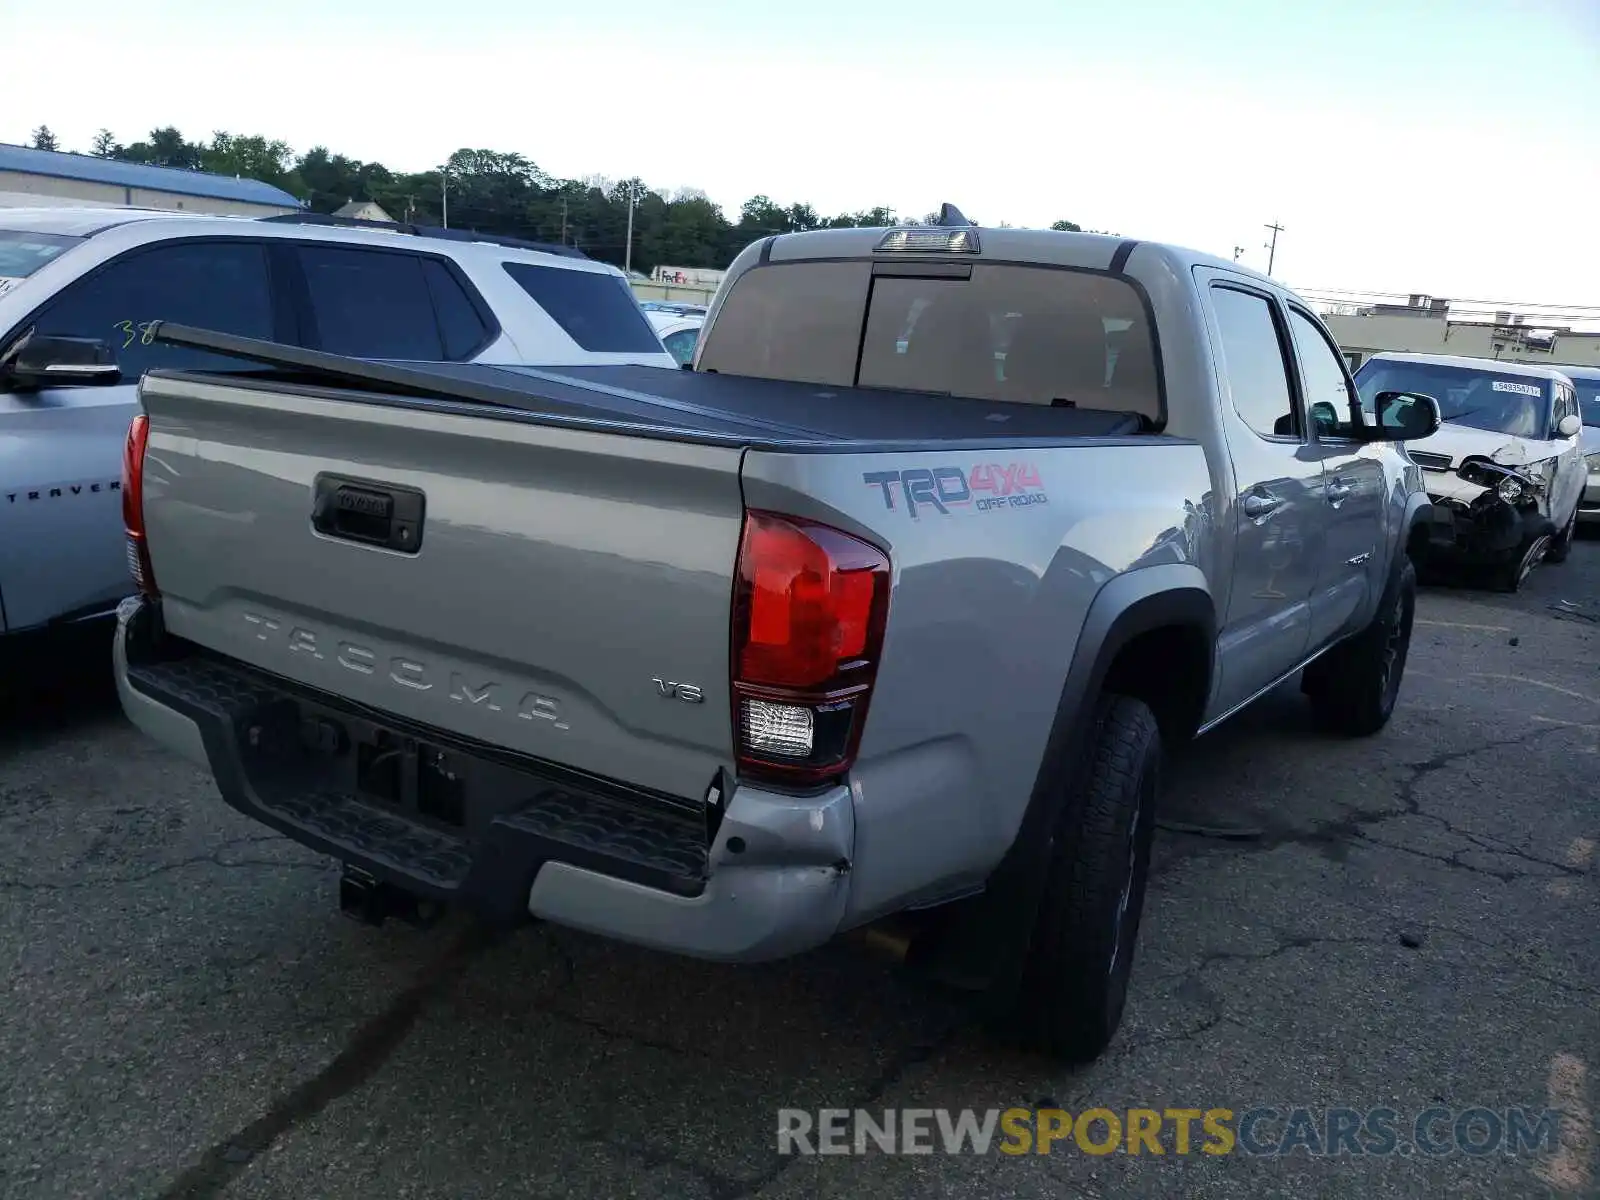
1080	958
1354	686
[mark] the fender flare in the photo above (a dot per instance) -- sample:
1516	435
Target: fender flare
993	938
1419	511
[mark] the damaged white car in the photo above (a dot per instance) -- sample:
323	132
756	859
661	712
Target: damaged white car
1506	470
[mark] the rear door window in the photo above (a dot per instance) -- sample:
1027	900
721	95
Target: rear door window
595	309
1253	358
219	285
370	303
461	326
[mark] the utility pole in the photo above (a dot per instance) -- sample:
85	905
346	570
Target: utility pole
1272	246
1237	250
633	202
444	196
563	220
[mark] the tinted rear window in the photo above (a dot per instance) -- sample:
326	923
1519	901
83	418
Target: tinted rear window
460	325
1029	335
596	309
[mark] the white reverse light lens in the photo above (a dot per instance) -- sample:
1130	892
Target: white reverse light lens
780	730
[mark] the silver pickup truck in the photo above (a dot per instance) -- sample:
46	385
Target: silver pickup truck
888	605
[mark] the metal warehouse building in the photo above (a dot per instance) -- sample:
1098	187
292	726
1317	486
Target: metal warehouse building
32	178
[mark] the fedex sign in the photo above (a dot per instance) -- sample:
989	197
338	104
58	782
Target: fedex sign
988	487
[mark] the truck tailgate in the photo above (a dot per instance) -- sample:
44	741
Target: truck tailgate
536	584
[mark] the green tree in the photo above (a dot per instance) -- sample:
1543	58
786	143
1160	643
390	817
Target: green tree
165	148
251	157
1067	227
105	145
43	139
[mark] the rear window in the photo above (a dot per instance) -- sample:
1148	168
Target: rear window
22	253
1028	335
595	308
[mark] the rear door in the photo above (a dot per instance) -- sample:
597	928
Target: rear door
1349	575
1277	511
61	543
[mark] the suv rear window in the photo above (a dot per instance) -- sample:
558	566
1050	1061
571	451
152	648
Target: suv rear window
1029	335
595	308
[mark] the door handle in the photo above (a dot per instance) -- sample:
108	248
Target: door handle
1338	492
1258	506
362	510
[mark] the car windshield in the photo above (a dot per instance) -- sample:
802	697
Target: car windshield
1480	398
22	252
1589	400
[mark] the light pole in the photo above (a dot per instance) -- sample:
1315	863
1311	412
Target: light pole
1237	250
444	196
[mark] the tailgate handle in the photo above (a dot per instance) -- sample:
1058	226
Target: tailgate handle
374	514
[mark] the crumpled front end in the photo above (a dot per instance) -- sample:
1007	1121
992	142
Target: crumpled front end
1487	510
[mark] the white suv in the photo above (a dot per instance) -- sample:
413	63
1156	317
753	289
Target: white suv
351	288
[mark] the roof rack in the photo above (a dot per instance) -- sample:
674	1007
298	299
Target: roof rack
437	232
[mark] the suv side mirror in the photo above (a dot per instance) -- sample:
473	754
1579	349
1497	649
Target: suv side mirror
1569	426
1403	417
38	361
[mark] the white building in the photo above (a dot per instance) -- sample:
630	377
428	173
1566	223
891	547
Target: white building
1424	327
34	178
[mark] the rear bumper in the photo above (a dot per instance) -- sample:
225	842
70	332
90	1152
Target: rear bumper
507	837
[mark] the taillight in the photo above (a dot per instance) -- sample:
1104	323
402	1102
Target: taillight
133	504
810	604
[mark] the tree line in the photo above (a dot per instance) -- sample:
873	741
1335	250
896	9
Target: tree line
496	192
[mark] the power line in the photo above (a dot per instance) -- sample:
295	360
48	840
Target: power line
1492	305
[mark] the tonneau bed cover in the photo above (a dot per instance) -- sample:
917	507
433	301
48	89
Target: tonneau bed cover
653	401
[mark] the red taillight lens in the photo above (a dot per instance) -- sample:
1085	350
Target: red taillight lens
809	611
133	504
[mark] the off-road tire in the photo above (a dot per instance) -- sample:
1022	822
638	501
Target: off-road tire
1075	977
1561	545
1354	686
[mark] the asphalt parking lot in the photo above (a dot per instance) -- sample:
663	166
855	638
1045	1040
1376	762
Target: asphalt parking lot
1413	923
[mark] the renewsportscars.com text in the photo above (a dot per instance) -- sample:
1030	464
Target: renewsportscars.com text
1259	1131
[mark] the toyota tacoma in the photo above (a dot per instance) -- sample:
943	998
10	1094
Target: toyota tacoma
889	604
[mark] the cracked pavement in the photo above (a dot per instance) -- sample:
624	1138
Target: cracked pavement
1407	921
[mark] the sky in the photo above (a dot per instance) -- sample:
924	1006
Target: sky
1447	147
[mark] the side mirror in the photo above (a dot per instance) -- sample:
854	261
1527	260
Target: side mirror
1569	426
42	361
1403	417
1324	417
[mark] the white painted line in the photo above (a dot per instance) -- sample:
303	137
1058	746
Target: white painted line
1536	683
1464	625
1568	1169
